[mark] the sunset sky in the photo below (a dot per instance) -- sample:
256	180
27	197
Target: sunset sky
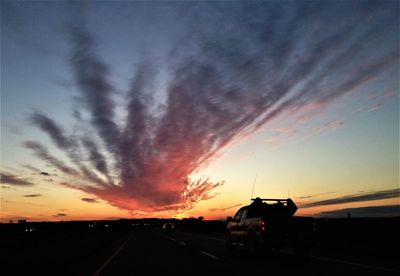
175	109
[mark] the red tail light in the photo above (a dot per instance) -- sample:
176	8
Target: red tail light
262	225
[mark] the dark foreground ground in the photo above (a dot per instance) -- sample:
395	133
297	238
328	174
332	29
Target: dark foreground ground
194	249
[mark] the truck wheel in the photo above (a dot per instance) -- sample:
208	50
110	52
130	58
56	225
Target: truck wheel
252	245
229	245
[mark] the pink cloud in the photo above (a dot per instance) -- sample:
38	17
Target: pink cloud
330	126
218	93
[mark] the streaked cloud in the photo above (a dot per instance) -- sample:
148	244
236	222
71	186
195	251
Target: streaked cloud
280	135
31	168
60	215
223	84
375	107
41	152
33	195
89	200
370	211
14	180
377	195
330	126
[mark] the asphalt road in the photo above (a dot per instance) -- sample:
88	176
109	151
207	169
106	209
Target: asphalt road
149	252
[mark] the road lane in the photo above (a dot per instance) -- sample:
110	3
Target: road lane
57	253
286	260
152	253
149	252
183	253
109	259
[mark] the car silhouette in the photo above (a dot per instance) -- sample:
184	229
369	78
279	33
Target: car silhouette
168	228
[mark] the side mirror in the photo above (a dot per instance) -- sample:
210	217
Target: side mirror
228	219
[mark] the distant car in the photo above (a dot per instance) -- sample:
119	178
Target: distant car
30	229
261	225
168	228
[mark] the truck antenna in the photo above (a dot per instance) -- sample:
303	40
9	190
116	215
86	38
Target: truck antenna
254	182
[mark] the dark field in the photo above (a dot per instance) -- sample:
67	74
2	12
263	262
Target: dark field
128	247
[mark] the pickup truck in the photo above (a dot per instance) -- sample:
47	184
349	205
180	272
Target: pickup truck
270	224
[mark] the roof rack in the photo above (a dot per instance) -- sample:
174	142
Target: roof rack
289	203
270	199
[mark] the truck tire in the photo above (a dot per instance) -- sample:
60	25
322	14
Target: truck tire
252	245
229	246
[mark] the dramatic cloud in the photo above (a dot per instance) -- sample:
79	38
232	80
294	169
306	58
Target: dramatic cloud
92	75
393	193
33	195
54	131
371	211
240	66
45	173
41	152
10	179
90	200
64	143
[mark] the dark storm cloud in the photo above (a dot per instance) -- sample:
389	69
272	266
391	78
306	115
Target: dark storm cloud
393	193
242	64
10	179
90	200
370	211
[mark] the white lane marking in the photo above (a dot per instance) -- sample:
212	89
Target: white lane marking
172	239
182	243
355	264
209	255
104	265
